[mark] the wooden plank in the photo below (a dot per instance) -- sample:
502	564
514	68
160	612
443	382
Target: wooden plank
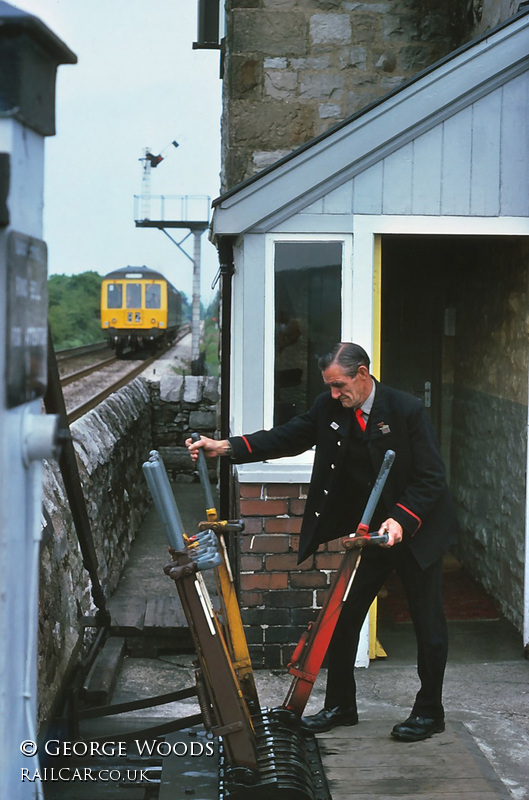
401	779
397	188
514	136
127	615
426	188
367	190
457	147
486	145
434	795
340	200
164	614
104	673
364	761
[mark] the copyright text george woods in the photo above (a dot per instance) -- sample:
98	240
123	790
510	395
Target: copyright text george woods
54	748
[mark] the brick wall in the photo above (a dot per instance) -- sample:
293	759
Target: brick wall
278	597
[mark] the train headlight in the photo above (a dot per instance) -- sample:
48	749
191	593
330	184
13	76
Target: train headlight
153	321
105	324
160	324
114	320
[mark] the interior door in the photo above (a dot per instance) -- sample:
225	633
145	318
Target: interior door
412	303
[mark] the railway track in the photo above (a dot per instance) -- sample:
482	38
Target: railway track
77	409
74	352
86	387
71	377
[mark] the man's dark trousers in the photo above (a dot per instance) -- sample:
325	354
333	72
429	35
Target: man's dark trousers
423	588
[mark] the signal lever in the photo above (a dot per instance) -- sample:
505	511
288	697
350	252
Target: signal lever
349	542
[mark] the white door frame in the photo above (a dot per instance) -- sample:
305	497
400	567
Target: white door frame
365	277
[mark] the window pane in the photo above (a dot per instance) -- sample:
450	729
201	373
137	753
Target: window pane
153	293
133	295
307	320
114	295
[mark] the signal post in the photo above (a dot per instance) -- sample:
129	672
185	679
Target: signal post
29	56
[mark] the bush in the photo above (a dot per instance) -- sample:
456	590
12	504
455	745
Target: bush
74	309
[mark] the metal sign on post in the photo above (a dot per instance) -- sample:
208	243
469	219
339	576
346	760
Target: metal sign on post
26	319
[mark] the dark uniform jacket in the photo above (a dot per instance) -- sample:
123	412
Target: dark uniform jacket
415	494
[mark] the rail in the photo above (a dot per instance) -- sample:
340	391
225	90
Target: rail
93	401
71	377
73	352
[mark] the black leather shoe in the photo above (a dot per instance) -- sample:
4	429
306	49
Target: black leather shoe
414	729
329	718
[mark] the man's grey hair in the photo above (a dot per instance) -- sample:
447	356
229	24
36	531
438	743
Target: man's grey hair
348	356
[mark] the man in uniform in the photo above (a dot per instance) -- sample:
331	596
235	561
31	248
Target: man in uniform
353	424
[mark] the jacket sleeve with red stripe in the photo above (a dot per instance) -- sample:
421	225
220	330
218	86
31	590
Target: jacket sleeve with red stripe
290	439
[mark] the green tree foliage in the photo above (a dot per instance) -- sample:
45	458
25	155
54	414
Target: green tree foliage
187	309
211	336
74	309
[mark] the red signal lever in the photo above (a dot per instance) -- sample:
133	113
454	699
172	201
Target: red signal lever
312	646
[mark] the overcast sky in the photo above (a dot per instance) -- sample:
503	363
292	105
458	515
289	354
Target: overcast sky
138	83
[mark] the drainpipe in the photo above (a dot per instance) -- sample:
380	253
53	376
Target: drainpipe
226	268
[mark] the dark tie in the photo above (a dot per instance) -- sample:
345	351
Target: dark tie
360	418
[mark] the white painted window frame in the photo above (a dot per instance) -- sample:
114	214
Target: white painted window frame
294	469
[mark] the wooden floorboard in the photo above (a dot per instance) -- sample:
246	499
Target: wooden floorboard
164	614
104	673
127	614
364	762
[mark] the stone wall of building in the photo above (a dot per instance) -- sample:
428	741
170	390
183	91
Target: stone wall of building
489	438
111	443
293	69
486	14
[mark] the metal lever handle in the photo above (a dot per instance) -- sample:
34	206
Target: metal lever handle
376	492
203	474
158	482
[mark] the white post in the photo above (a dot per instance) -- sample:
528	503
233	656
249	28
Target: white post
362	333
195	328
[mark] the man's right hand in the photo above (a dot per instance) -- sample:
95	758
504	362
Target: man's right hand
211	447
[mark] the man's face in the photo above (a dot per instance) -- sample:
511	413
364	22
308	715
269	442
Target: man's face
351	392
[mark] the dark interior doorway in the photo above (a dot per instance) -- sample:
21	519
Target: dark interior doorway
413	302
454	331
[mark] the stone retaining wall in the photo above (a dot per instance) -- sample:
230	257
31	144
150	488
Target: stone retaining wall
181	406
489	444
111	444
